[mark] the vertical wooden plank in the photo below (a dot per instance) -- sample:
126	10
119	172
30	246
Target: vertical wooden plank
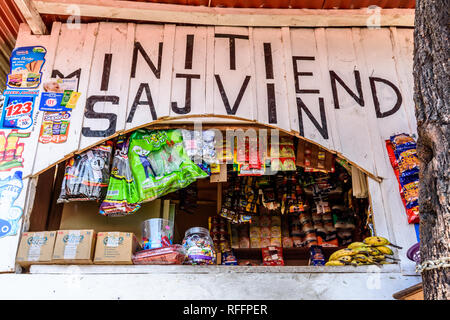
16	207
210	87
149	47
234	77
56	209
105	112
189	71
165	86
289	79
323	55
382	164
272	100
42	200
300	158
314	156
380	64
350	114
403	46
74	52
309	81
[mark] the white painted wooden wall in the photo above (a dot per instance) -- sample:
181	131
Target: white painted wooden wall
263	59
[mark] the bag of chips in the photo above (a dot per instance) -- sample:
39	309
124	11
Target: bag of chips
87	175
160	164
122	197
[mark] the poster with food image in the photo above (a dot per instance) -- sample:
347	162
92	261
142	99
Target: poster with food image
55	127
18	109
25	67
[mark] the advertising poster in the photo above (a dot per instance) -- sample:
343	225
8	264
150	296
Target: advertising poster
26	65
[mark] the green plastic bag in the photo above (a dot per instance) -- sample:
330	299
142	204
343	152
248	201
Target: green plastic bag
160	164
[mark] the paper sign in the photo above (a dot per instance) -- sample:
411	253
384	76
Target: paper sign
10	214
18	109
26	65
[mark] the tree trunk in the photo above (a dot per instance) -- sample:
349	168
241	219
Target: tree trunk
432	97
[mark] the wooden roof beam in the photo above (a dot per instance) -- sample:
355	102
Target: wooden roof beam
201	15
32	16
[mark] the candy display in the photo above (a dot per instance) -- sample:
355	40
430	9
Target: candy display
86	175
173	254
199	247
160	164
403	157
122	197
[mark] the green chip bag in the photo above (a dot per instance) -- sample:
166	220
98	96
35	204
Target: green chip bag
122	197
160	164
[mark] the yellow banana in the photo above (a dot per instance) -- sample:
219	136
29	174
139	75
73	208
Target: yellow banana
356	245
334	263
385	250
379	241
379	258
341	253
364	259
373	251
345	259
358	263
362	250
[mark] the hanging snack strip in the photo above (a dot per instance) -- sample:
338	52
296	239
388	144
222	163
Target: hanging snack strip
241	200
87	175
403	157
122	197
282	155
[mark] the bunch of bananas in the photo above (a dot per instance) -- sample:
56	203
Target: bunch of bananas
373	250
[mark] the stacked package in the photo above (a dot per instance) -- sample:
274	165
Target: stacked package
265	231
403	157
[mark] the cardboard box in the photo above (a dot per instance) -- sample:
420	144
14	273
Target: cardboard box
74	247
36	248
115	248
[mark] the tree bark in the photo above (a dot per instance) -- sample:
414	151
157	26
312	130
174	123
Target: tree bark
431	96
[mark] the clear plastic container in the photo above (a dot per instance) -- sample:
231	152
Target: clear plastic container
157	233
199	247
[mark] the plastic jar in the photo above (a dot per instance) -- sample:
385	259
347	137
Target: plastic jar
199	246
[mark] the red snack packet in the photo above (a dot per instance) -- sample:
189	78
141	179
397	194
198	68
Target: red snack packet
273	256
174	254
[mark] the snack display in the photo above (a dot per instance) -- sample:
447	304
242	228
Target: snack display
199	247
87	175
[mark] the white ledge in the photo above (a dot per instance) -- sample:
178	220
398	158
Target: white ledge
187	269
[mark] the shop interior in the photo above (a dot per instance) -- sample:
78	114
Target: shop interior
297	199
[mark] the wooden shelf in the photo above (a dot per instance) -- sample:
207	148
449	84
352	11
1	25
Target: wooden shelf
291	256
